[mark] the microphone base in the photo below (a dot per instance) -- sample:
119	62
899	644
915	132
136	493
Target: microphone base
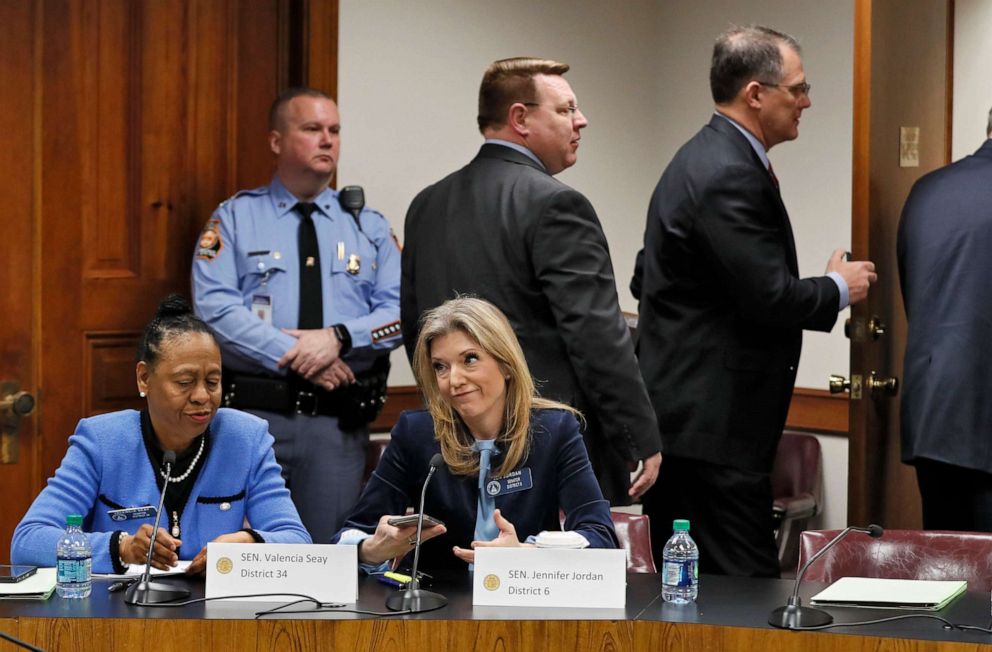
797	617
143	593
415	601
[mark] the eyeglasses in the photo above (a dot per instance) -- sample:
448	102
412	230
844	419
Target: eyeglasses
571	108
797	90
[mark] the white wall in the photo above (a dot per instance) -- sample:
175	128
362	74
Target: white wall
409	75
972	81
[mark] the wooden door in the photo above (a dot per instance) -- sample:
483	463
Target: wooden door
902	79
126	123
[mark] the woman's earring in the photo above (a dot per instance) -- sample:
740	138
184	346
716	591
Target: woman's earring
141	394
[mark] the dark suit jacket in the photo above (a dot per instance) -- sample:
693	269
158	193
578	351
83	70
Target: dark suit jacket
505	230
560	471
722	308
945	266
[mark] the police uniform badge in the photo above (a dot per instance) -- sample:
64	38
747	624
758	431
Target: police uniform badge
354	264
210	242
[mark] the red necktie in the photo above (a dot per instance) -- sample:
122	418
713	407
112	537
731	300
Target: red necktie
771	173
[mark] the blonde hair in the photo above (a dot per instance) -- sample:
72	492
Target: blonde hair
484	323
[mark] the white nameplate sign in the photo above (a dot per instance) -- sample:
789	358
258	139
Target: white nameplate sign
549	577
327	573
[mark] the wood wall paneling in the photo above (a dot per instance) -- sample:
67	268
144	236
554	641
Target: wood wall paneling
812	410
19	250
321	55
109	372
126	123
260	75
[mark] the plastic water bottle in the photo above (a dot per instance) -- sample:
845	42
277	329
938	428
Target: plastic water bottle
75	560
680	567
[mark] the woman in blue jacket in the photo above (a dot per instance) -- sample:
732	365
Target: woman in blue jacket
225	472
482	413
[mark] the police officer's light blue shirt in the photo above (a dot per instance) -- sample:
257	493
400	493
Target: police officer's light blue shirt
762	153
248	253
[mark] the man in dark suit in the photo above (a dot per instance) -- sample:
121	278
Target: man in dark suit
722	307
503	228
945	236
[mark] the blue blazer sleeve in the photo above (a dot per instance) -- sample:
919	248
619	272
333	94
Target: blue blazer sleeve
73	490
579	495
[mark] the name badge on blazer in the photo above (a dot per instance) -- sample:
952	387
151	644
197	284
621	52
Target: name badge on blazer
131	513
511	483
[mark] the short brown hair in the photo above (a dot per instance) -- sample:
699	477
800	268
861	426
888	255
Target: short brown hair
511	80
285	97
745	54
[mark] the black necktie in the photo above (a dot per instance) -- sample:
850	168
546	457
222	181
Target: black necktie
311	298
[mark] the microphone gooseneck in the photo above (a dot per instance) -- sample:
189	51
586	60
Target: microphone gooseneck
413	598
144	592
794	615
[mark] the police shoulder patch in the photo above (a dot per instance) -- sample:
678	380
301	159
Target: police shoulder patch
210	243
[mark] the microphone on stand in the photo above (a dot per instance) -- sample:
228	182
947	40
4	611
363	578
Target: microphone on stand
145	592
794	615
413	598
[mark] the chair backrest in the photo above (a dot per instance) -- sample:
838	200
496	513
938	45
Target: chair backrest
797	467
374	453
902	554
634	533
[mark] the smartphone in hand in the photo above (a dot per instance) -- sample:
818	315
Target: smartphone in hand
411	519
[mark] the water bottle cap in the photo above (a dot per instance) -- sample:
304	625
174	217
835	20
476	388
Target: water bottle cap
74	519
680	525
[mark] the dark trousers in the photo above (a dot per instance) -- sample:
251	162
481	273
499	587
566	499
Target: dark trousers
730	514
322	465
954	498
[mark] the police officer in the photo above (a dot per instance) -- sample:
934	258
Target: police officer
304	298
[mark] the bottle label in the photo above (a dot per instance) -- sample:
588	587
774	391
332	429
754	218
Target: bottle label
72	571
680	573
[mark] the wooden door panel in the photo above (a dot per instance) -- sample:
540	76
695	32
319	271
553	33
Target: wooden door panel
125	125
901	79
19	251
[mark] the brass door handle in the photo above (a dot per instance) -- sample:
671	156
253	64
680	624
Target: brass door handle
855	330
17	404
14	404
886	386
839	385
876	327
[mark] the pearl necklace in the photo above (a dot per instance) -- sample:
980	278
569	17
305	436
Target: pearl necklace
191	466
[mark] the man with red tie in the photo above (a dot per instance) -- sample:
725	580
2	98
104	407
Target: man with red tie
722	307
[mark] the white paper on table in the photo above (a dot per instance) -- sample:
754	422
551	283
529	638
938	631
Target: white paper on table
134	570
881	593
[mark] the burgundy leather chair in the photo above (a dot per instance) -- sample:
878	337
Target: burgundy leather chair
372	456
634	533
797	492
902	554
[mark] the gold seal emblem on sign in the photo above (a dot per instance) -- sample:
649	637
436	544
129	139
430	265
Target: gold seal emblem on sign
491	582
225	565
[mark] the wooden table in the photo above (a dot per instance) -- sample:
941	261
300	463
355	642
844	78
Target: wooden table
731	614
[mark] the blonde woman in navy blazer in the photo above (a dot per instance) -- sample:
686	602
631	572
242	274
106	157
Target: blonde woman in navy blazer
477	386
225	472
